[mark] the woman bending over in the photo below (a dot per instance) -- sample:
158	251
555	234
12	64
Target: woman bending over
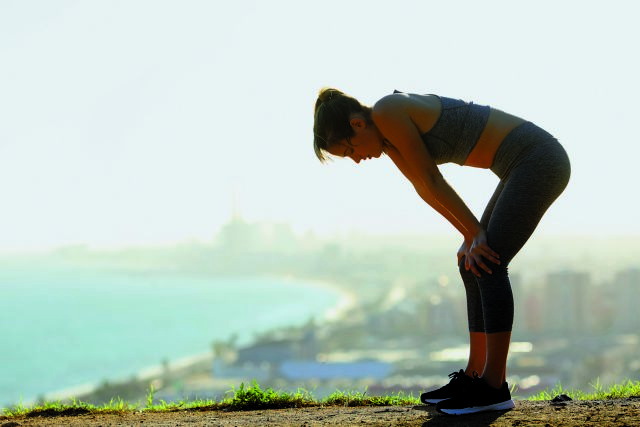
419	132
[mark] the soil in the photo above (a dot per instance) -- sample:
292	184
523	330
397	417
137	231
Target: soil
622	412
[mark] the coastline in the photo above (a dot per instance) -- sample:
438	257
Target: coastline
150	374
347	300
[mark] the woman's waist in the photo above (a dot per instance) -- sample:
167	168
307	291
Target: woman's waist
499	125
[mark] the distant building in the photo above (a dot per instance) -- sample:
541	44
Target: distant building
299	370
259	360
272	352
445	315
531	313
566	294
625	293
240	236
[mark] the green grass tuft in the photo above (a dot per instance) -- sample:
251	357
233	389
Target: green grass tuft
253	397
55	409
616	391
342	398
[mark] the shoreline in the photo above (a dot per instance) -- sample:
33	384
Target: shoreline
345	301
150	373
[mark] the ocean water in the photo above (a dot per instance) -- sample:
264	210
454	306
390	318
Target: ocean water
60	329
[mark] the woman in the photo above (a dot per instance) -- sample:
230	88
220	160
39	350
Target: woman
419	132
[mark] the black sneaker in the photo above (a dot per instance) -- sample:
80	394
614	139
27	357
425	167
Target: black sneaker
458	381
479	397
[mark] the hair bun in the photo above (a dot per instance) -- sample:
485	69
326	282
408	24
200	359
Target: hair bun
327	94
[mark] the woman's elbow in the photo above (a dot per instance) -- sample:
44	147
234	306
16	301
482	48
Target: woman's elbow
425	192
429	186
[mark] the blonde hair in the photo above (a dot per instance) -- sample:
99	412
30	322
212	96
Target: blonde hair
331	117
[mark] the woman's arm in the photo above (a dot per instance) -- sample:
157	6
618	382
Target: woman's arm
397	159
414	161
411	156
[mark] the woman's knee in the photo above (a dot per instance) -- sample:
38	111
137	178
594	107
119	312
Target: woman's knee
467	275
499	272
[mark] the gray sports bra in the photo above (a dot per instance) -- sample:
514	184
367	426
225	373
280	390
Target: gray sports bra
457	130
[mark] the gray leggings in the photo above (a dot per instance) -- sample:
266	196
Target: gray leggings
533	169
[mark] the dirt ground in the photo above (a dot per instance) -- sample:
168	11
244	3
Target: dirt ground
623	412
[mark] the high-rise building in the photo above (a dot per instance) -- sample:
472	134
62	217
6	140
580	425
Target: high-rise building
565	299
625	292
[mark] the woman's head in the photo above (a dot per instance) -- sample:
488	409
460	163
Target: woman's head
339	120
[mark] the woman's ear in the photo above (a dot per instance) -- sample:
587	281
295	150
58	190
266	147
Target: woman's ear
357	122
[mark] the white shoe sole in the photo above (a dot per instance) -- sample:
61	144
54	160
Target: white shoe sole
502	406
432	401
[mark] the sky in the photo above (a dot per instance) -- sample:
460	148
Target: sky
146	122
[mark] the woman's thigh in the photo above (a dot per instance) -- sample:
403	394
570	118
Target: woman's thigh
524	197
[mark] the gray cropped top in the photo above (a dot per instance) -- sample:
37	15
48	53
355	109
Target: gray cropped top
456	131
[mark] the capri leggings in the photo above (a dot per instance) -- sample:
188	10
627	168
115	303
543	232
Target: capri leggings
533	169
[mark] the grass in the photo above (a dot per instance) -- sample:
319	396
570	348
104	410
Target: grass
616	391
253	397
49	409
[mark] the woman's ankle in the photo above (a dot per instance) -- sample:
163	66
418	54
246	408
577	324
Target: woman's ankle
493	382
471	370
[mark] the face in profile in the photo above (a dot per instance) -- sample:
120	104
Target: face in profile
366	143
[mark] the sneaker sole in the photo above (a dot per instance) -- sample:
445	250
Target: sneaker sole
502	406
431	401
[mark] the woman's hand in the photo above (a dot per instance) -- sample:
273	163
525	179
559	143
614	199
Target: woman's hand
474	251
463	252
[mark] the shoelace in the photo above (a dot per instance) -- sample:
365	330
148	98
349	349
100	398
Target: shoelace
454	376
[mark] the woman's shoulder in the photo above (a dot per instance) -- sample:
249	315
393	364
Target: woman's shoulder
423	110
392	101
398	98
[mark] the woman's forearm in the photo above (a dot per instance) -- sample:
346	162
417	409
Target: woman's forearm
443	211
443	198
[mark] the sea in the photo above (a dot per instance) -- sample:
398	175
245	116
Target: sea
61	328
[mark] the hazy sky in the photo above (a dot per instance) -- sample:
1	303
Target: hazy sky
136	122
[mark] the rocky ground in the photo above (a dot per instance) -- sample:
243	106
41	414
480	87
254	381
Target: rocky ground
622	412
